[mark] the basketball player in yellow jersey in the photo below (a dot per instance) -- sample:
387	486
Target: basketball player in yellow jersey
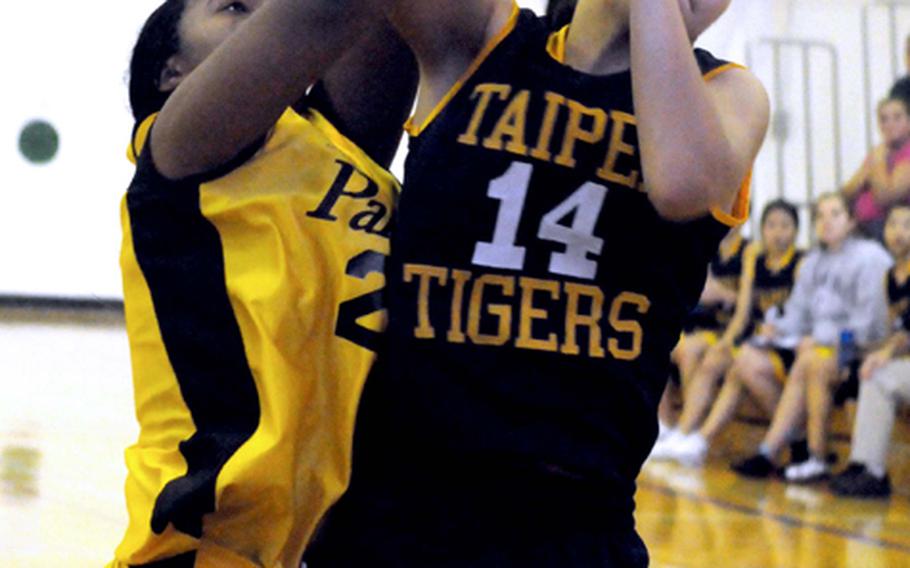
253	245
564	193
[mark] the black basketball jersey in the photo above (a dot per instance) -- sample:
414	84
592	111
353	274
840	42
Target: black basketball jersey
728	268
898	301
772	285
534	292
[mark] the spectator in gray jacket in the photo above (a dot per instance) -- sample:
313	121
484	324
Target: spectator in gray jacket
838	288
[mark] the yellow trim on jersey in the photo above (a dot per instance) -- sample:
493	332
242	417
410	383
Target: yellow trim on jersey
722	69
415	130
138	140
784	261
556	45
726	255
740	211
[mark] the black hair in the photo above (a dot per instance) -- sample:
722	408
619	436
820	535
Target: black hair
781	205
560	12
158	41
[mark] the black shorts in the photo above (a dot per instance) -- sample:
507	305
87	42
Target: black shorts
782	359
454	528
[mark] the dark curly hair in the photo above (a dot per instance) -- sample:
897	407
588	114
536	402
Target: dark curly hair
158	41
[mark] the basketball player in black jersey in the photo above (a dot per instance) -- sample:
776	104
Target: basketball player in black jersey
564	193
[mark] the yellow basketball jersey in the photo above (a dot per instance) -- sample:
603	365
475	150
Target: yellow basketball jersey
253	302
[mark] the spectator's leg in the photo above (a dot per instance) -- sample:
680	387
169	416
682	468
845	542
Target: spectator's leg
822	377
703	387
665	412
758	374
876	409
724	408
790	414
689	354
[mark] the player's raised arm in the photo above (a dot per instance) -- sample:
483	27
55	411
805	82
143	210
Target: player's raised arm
236	94
368	93
446	36
698	139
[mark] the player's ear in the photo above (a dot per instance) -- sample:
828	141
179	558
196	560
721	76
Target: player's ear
171	75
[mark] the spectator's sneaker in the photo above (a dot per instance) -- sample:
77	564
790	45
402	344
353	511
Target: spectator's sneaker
852	470
809	471
860	483
690	450
757	467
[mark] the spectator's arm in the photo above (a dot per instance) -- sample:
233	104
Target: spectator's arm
744	297
889	187
716	293
858	180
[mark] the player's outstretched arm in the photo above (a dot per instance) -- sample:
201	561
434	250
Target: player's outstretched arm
369	93
446	36
238	93
698	139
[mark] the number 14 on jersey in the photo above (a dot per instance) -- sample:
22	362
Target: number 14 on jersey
582	247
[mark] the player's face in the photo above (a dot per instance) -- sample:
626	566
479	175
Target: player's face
894	123
206	24
778	231
897	232
833	223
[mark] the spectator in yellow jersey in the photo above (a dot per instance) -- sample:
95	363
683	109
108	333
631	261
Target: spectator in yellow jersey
768	277
834	296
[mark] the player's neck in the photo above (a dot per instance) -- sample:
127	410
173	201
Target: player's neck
598	41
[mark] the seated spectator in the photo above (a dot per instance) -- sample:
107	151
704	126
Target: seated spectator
884	178
709	319
768	276
884	376
835	291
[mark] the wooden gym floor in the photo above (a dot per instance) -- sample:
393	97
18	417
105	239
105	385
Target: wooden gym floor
66	415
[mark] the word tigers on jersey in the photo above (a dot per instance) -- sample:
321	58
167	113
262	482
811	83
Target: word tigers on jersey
582	124
523	298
